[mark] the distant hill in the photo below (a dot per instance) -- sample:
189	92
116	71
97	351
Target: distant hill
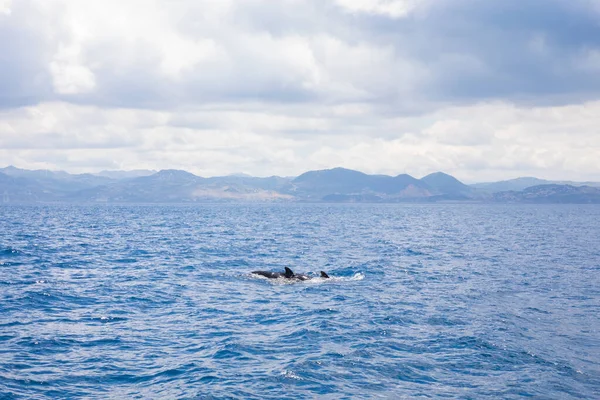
444	184
245	182
169	186
552	193
58	179
524	183
162	187
330	185
55	183
511	184
317	185
15	189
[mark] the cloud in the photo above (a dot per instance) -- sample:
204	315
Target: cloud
389	8
523	52
157	54
480	89
5	7
69	76
477	142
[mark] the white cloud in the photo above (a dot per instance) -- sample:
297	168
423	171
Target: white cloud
69	76
475	143
5	7
132	32
161	53
390	8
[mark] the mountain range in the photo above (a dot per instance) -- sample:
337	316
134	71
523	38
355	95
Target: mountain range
330	185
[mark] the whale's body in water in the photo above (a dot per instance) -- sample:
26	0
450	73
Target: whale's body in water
288	274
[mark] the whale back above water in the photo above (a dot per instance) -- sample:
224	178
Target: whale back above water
288	274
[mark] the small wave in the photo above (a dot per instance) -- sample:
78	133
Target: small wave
286	373
358	276
281	281
104	319
125	260
412	252
10	251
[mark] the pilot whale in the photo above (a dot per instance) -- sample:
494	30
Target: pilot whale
288	274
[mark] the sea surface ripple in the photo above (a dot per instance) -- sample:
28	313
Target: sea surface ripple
427	301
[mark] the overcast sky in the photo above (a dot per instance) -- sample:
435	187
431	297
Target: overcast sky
483	90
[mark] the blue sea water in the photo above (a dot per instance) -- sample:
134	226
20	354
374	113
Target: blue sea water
425	301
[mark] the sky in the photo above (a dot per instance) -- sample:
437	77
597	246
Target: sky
482	90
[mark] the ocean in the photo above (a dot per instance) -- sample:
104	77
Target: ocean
468	301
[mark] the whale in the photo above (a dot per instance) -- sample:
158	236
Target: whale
288	274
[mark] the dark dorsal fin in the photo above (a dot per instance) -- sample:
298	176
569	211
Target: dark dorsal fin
289	273
324	274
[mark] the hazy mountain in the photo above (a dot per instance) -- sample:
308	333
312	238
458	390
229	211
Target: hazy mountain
317	185
331	185
511	184
552	193
163	186
56	182
248	182
16	189
180	186
445	184
523	183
